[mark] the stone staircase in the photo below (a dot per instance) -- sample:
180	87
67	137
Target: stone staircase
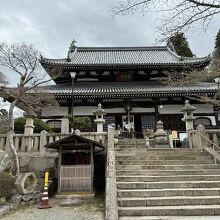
165	182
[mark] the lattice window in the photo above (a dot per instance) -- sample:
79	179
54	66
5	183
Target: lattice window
148	121
108	120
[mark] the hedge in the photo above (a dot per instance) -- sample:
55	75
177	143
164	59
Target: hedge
38	123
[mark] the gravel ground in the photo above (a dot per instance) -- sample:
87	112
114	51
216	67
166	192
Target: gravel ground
89	210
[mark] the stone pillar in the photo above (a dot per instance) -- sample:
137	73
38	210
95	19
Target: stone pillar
201	141
161	139
188	118
111	205
29	125
99	120
65	126
170	140
43	142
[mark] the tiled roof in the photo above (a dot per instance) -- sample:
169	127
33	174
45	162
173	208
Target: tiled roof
124	56
131	89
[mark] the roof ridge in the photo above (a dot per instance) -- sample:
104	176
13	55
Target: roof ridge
123	48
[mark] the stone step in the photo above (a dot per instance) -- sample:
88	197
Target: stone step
169	201
127	172
167	178
131	141
163	150
134	148
131	145
168	185
163	162
167	167
168	192
166	182
185	210
216	217
143	152
163	157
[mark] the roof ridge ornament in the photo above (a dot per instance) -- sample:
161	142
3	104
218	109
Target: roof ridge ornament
72	48
171	46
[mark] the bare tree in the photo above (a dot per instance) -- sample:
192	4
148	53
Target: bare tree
22	59
178	15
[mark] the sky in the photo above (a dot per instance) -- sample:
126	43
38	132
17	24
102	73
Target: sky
52	24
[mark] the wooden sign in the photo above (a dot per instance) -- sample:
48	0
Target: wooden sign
175	135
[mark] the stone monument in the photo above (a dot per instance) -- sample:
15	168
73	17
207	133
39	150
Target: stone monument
161	137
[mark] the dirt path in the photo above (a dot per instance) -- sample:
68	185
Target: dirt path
90	210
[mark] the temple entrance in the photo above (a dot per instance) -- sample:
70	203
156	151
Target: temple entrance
128	125
137	123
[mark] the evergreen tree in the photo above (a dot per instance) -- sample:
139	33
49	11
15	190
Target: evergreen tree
180	44
217	45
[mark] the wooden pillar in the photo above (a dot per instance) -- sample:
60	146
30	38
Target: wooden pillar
156	108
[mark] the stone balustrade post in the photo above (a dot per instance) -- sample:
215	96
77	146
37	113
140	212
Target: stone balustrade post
111	192
65	126
29	124
201	142
43	142
7	146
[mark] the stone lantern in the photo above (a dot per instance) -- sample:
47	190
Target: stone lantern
29	124
99	120
188	118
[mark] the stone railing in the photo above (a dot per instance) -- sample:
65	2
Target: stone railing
111	207
206	140
35	143
212	134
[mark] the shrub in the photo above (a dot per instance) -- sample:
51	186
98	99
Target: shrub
38	123
40	126
6	184
82	123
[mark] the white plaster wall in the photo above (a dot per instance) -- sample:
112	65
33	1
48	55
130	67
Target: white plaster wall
142	110
203	108
83	110
55	111
88	110
175	109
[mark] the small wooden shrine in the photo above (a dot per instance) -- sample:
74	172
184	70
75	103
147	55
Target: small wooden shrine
76	163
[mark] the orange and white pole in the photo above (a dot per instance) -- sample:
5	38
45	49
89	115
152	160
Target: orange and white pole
44	204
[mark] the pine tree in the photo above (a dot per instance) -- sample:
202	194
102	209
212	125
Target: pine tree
180	44
217	45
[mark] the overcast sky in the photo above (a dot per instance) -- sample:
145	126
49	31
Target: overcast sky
52	24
